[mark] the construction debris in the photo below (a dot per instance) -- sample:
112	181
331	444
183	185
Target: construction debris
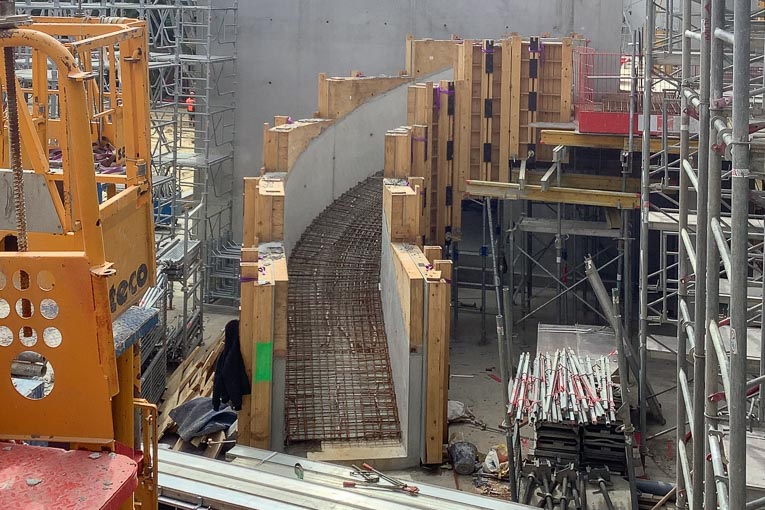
193	378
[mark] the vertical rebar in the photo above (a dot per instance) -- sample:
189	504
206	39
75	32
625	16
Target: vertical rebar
739	245
713	253
649	30
682	257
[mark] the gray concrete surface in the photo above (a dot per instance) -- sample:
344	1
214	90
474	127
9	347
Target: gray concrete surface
343	155
282	46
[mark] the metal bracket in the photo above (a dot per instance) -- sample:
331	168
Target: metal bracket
105	270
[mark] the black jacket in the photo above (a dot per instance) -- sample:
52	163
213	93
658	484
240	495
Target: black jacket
231	381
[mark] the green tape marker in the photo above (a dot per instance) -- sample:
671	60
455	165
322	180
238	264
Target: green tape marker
263	362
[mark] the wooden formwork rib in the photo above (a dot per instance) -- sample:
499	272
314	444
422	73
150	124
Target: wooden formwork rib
339	96
263	210
423	283
285	142
500	90
427	56
263	320
401	204
398	153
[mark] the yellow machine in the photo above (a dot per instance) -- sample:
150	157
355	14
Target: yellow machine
76	251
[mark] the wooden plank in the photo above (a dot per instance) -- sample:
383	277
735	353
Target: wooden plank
262	363
409	57
555	137
389	158
270	160
443	165
427	56
433	147
579	181
421	168
504	116
567	64
512	191
402	167
402	213
409	284
432	253
487	95
435	391
446	269
515	98
533	88
465	114
345	94
247	271
411	101
323	96
476	111
248	207
281	281
412	208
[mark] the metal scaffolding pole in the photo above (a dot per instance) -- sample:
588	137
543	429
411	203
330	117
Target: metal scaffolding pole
712	308
683	265
645	176
699	315
739	244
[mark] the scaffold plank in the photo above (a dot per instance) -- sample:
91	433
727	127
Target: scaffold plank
555	194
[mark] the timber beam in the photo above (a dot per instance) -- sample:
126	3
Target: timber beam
577	180
616	142
555	194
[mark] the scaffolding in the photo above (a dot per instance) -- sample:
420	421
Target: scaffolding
192	48
711	279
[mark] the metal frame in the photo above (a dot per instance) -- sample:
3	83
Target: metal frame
703	253
191	47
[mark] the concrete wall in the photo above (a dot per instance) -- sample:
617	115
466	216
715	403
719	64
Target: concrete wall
343	155
282	46
407	367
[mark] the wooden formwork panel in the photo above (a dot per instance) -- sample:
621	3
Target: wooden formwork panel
431	144
339	96
285	142
398	153
401	205
263	210
544	83
426	56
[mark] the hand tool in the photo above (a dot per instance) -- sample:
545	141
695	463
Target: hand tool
406	488
368	476
410	488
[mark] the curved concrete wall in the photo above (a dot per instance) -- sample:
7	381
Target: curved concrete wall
343	155
284	45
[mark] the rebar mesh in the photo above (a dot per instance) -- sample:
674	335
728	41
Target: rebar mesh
338	383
